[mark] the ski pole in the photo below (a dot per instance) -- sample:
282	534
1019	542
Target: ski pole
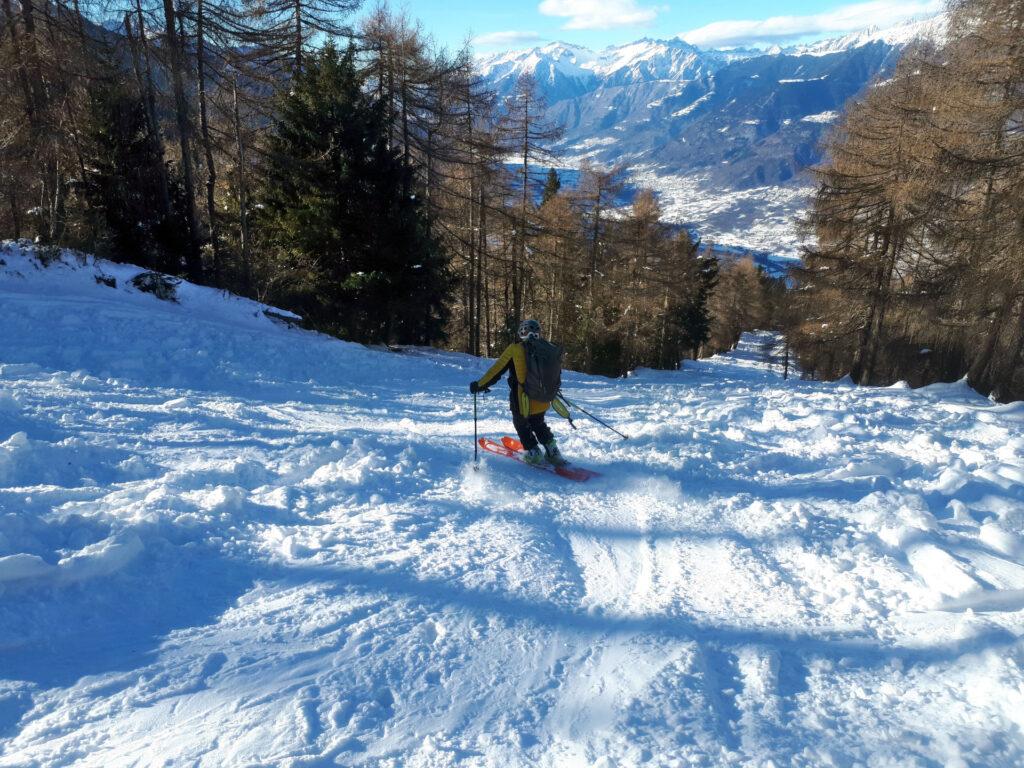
476	444
604	424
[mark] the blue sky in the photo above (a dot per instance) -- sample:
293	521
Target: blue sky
500	24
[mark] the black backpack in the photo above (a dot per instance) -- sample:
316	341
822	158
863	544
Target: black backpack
543	370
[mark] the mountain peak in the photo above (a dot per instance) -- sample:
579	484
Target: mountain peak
560	46
566	69
925	27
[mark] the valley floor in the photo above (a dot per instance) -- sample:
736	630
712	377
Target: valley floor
228	542
760	219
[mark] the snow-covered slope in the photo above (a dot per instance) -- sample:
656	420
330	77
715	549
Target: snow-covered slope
227	542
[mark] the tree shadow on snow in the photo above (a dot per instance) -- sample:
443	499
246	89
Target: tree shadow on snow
56	635
852	649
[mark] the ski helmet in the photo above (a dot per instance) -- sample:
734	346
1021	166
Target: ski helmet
529	329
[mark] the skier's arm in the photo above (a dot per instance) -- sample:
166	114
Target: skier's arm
497	370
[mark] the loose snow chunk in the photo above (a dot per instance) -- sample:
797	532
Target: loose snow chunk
8	403
15	370
1014	473
69	462
890	468
895	518
951	479
17	444
734	434
279	498
23	566
222	498
99	559
12	419
353	473
102	558
999	475
773	420
1001	539
941	572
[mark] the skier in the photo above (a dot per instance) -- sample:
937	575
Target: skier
528	412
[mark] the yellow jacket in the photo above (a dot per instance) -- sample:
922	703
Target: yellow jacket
513	360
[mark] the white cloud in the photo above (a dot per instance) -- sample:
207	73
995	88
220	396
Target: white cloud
848	18
508	37
598	14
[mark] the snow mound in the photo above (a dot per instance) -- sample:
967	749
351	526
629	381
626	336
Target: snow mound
227	541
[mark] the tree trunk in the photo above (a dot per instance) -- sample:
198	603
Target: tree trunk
896	250
979	375
150	91
49	172
193	261
487	314
15	219
592	294
517	263
243	193
19	63
858	372
406	160
298	37
37	88
144	80
481	266
204	126
471	282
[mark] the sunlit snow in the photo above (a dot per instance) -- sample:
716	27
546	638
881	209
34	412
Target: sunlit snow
224	541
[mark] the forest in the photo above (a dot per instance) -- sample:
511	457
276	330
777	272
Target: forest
356	175
917	273
335	162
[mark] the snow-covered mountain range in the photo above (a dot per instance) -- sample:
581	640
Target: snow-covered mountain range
724	135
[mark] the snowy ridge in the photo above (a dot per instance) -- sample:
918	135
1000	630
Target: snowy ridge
565	70
286	559
675	59
902	34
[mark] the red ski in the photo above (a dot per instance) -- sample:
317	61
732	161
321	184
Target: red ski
512	448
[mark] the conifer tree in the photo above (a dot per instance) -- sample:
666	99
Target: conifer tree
126	181
552	184
690	317
358	250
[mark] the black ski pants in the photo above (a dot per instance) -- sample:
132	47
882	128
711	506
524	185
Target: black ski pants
532	429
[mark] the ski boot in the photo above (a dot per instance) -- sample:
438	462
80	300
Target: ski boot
533	456
554	456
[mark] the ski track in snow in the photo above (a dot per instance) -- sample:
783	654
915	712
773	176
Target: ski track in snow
228	542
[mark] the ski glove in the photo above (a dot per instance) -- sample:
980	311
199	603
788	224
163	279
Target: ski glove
474	387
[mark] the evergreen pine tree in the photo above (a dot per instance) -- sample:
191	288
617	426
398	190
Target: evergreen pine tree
552	184
124	185
359	252
693	318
